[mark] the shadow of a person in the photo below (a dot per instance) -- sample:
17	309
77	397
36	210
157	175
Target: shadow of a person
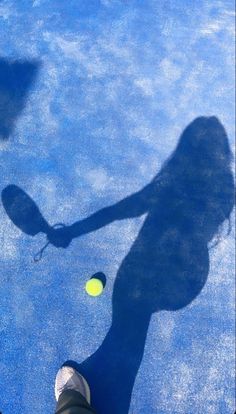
168	264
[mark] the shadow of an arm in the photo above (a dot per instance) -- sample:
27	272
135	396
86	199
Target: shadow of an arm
132	206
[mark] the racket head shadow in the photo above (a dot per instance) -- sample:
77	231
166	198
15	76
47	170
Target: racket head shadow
23	211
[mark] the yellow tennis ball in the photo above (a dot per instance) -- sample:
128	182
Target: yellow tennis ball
94	287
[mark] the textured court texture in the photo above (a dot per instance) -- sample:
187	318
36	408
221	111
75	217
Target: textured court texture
116	124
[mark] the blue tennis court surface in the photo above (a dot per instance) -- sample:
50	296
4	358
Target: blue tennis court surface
116	124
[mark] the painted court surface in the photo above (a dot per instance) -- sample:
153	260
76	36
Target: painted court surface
94	97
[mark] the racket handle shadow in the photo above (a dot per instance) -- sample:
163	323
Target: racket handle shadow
38	256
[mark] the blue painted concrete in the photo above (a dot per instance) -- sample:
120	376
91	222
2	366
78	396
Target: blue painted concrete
109	89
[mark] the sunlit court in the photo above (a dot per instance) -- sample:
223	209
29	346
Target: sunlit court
117	233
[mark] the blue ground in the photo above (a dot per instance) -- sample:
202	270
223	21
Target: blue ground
93	99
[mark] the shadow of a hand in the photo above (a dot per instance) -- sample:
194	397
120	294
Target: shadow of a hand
60	237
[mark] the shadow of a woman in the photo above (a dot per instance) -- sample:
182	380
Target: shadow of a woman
168	264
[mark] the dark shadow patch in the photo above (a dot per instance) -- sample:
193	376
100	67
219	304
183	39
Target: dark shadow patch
100	276
16	78
23	211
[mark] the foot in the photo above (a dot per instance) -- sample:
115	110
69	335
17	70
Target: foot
69	379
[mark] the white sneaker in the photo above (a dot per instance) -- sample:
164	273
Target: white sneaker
69	379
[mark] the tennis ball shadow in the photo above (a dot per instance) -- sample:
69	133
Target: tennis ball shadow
100	276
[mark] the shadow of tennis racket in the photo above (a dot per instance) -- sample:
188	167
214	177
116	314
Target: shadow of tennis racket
25	214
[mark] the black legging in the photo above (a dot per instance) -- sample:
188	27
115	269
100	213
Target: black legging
72	402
